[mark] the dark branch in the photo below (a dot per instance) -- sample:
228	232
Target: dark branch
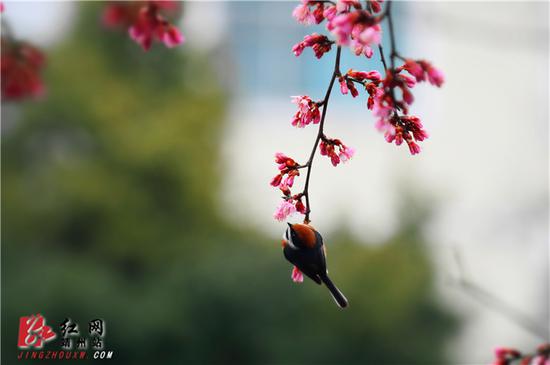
320	132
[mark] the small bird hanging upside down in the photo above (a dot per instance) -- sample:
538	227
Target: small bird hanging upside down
303	247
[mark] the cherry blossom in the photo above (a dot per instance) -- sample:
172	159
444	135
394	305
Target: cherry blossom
358	28
297	275
509	356
423	70
309	12
284	180
388	96
336	151
376	5
285	209
21	66
308	111
146	21
319	43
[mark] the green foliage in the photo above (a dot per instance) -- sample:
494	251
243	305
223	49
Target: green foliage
109	210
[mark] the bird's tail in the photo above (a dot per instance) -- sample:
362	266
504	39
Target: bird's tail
339	298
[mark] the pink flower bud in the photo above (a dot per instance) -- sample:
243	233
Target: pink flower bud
435	76
276	180
284	210
308	112
414	69
409	81
172	37
343	86
300	207
329	12
413	148
303	14
298	49
297	275
346	153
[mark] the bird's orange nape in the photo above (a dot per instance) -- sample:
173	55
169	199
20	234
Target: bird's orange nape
305	233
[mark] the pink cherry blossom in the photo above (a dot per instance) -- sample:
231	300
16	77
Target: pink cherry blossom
381	107
423	70
345	5
362	75
146	21
346	85
370	35
390	96
172	37
287	172
414	69
330	12
22	65
343	85
285	209
413	147
356	27
435	76
409	81
277	180
308	111
504	356
303	14
346	153
336	151
319	43
300	207
375	4
297	275
403	128
359	48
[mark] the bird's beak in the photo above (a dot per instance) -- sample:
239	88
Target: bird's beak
290	225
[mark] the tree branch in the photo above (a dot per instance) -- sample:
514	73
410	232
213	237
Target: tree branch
320	133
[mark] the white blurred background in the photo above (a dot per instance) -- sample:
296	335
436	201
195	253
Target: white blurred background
484	169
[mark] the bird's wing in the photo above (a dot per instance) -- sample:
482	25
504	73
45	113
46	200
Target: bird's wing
322	251
294	257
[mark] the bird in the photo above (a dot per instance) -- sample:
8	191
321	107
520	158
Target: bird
303	247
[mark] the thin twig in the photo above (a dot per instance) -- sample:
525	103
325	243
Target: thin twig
492	302
320	132
393	52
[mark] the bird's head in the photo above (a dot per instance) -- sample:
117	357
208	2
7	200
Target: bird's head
299	236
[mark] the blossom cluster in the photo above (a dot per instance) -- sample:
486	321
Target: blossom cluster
308	111
509	356
284	180
390	97
288	168
370	80
347	20
21	65
328	147
351	24
146	21
319	43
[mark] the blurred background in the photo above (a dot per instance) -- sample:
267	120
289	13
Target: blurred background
137	190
